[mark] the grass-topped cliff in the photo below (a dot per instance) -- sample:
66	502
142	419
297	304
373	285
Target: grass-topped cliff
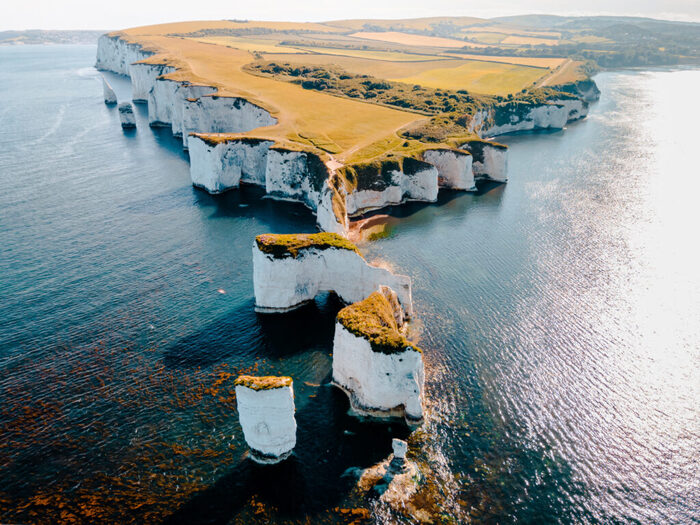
281	246
341	90
263	382
373	319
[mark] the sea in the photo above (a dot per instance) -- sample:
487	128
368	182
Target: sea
559	316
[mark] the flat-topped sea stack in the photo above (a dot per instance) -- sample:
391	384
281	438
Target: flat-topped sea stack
374	363
291	269
266	413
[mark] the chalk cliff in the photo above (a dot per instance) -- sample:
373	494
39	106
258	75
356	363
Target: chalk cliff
266	413
510	117
115	54
489	160
388	182
290	270
454	168
374	363
184	106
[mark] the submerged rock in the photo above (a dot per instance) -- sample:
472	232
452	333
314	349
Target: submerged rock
109	94
126	115
266	413
373	362
290	270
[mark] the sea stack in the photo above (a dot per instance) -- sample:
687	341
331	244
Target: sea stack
374	363
290	270
266	413
126	115
109	94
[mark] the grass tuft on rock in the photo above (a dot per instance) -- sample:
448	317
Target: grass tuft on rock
263	382
373	319
291	244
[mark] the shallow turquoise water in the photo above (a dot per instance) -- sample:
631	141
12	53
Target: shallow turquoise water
560	314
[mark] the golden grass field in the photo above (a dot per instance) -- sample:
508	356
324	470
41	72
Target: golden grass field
248	44
344	127
419	24
491	78
395	56
301	113
414	40
522	61
508	30
518	40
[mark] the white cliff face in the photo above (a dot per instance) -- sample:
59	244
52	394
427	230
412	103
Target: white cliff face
205	113
109	95
114	54
381	379
454	168
283	284
126	115
217	168
143	78
378	383
295	175
490	161
267	419
326	217
553	115
418	184
286	175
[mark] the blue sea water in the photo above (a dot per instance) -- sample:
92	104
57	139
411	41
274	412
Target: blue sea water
560	314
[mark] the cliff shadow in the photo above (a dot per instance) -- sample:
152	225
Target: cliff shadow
250	201
242	335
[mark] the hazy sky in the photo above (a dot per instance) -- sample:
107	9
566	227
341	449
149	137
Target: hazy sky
115	14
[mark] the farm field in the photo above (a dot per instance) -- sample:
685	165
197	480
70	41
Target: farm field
301	113
369	54
518	40
230	54
414	40
248	44
416	24
521	61
491	78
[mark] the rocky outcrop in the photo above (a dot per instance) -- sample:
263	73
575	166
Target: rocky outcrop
490	160
109	95
373	362
454	168
126	115
266	413
389	182
290	270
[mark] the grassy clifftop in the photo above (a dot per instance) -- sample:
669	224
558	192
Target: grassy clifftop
281	246
373	319
263	382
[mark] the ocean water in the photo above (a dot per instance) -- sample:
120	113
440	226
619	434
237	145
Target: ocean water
560	314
